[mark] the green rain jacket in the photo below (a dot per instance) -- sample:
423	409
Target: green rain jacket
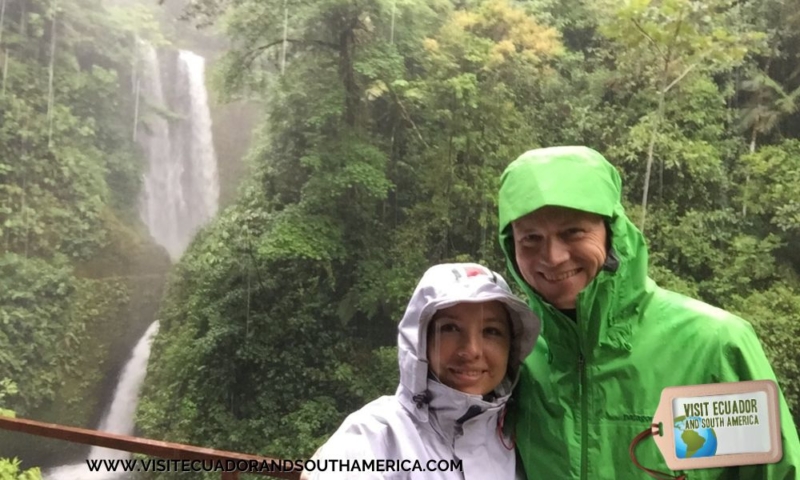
590	386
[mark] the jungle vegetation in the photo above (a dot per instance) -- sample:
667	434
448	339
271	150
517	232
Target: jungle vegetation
387	124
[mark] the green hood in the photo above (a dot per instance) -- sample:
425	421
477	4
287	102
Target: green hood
578	178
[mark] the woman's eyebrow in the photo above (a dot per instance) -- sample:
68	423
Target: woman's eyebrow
494	319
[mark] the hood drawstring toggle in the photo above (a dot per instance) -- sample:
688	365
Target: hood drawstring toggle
422	398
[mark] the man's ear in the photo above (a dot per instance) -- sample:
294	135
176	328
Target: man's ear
611	263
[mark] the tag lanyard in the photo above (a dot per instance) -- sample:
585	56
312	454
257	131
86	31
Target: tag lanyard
653	430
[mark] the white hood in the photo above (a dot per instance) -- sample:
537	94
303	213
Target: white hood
443	286
425	419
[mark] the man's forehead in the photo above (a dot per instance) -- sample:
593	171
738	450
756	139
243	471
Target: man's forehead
553	215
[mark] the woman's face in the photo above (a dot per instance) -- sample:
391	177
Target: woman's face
468	346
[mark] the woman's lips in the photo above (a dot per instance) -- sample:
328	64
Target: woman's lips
467	374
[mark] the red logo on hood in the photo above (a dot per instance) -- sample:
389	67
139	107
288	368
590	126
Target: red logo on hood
474	271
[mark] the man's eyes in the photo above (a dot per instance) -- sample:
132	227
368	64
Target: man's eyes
531	238
566	233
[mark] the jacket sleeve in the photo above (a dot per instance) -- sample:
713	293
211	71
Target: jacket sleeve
742	358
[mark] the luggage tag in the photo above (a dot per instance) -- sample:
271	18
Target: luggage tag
716	425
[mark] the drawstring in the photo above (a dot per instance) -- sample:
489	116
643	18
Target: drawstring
422	398
653	430
500	424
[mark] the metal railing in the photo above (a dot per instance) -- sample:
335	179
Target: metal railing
152	448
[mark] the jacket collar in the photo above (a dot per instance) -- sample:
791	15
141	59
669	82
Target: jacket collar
447	409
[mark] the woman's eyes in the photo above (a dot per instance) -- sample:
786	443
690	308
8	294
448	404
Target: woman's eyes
493	331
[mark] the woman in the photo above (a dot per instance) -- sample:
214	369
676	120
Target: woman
461	342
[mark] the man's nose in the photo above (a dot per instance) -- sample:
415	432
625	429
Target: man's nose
554	252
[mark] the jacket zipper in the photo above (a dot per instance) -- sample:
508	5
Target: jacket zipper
584	422
583	393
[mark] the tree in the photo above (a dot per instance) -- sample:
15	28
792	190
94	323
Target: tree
669	40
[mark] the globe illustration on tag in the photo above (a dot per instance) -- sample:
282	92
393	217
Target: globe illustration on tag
691	441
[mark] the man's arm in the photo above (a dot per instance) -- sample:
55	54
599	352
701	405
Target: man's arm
742	358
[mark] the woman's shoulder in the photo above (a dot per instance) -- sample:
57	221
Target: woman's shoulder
375	418
366	432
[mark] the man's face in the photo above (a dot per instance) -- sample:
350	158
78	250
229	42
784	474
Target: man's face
468	346
559	251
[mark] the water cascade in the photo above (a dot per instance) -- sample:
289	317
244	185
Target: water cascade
119	418
180	194
181	188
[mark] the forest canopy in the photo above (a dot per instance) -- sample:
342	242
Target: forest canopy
386	126
386	130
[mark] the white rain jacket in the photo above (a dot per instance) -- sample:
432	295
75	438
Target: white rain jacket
425	419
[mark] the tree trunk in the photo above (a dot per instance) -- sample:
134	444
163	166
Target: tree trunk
136	110
247	321
753	139
5	73
7	232
285	31
346	40
650	149
135	64
391	32
23	20
51	96
24	211
2	18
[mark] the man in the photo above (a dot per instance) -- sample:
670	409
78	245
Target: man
611	339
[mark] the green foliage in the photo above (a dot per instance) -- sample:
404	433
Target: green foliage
380	155
36	322
62	164
7	387
774	172
9	470
69	177
723	261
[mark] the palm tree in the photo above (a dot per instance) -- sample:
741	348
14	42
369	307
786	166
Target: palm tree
767	105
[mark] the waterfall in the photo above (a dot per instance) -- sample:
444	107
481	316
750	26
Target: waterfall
181	187
119	418
180	194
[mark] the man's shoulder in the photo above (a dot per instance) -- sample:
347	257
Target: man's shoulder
708	320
